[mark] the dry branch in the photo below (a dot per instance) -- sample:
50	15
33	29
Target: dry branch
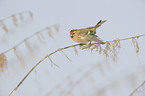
48	56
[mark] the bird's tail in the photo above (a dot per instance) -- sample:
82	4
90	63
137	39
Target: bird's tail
100	23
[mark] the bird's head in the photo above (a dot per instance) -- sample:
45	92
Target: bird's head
72	32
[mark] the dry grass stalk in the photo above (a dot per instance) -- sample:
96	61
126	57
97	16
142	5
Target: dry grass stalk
49	32
115	44
76	51
21	17
138	89
56	28
31	14
41	38
28	45
115	50
135	43
111	48
3	62
14	18
5	28
52	63
107	49
18	55
26	39
66	56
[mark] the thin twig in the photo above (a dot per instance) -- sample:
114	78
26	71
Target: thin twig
61	50
14	15
24	40
76	51
137	89
66	56
52	63
38	64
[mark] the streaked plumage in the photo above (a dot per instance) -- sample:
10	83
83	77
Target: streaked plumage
86	34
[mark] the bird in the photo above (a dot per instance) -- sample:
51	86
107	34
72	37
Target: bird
85	35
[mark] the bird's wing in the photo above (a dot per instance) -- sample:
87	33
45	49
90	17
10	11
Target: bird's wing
91	32
87	31
94	38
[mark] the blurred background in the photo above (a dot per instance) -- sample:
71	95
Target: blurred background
31	29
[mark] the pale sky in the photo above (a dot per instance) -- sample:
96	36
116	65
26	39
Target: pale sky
125	18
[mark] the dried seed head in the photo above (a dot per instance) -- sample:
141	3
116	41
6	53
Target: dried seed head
136	46
21	17
31	14
49	32
5	28
56	28
100	49
76	51
14	20
3	61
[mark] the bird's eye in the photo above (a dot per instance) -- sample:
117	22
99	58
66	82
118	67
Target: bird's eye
73	33
71	36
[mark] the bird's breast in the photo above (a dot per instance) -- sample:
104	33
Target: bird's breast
80	39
